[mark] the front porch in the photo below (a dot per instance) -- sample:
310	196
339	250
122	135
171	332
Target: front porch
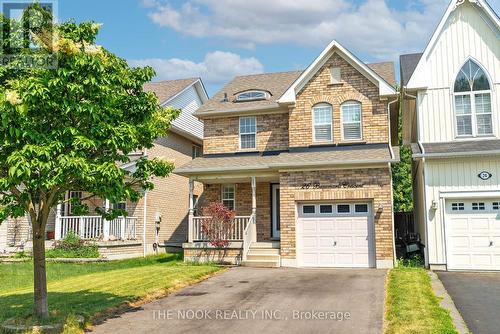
256	224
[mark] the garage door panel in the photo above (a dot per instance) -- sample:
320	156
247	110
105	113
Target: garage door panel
335	240
326	241
472	236
310	242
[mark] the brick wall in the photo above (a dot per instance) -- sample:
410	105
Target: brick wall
244	204
376	188
222	134
353	86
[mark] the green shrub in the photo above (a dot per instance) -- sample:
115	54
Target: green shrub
415	261
72	246
21	255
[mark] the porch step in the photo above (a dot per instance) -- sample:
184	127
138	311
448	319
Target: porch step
263	254
264	251
268	245
261	263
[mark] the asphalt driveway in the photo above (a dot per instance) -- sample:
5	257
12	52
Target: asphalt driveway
251	300
477	298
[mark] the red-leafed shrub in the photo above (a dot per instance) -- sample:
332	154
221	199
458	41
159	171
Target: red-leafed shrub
218	225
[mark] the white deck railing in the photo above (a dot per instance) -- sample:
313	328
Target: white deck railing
95	227
249	236
236	234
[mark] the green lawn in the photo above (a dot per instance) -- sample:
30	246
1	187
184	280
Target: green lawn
412	306
90	288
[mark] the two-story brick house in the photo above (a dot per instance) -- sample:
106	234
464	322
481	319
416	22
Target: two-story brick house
304	158
451	118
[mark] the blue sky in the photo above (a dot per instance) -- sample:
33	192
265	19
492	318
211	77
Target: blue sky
219	39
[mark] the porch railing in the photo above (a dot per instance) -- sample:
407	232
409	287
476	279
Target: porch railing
95	227
249	236
236	234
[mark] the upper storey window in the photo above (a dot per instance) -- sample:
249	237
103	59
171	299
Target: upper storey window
351	121
252	95
322	123
472	102
248	133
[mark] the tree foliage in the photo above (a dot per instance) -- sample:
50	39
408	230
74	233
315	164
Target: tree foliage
71	127
402	177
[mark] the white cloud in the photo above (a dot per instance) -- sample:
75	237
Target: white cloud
216	68
371	27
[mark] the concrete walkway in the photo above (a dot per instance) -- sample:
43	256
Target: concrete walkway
252	300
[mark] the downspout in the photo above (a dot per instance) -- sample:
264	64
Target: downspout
390	132
144	216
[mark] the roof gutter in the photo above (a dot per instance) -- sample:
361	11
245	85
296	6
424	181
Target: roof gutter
277	166
453	154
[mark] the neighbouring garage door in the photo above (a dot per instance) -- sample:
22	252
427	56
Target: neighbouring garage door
335	235
473	234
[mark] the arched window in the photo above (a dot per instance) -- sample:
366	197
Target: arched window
472	102
252	95
352	128
322	122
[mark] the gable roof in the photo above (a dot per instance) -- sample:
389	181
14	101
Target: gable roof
274	83
417	79
167	89
186	124
407	64
334	47
385	70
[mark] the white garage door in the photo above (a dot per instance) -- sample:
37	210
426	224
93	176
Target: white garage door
473	234
335	235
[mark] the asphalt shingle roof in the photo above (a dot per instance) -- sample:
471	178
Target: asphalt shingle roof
164	90
331	155
460	147
274	83
408	63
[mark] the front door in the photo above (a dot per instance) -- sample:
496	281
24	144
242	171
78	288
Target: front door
275	214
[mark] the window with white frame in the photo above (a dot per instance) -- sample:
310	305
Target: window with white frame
322	123
248	132
472	97
351	121
252	95
228	196
196	151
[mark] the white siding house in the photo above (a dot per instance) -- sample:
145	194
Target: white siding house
456	86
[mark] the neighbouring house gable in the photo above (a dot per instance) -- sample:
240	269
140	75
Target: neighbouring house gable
467	37
187	95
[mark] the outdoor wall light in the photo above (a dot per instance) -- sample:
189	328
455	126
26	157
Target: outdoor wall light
434	205
380	207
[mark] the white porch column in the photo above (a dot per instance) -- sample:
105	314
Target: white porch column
58	231
105	224
254	209
191	210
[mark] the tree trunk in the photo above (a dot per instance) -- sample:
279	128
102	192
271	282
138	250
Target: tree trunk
40	278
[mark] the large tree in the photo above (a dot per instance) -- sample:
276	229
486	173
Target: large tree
71	127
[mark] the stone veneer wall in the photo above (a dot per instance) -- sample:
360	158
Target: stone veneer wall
222	134
244	204
376	187
353	86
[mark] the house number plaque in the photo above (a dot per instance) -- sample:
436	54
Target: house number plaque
485	175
